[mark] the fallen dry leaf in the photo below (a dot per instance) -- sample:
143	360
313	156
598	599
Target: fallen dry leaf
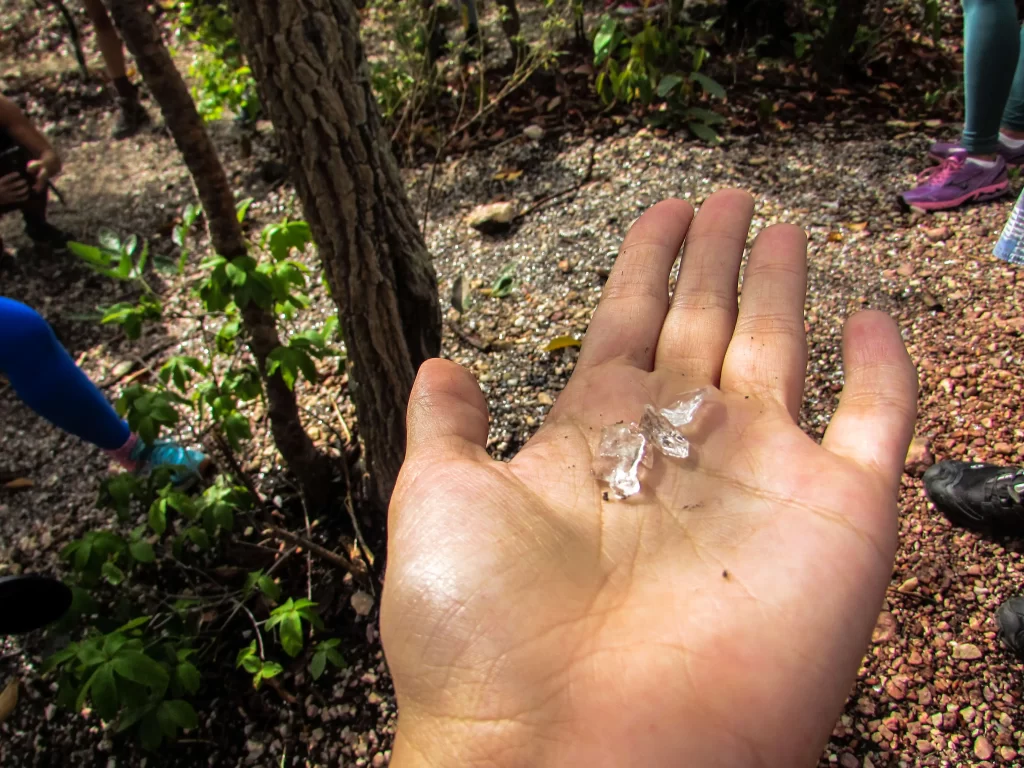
561	342
18	484
8	700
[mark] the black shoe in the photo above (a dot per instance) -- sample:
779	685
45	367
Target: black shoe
31	602
130	119
48	235
1010	618
977	496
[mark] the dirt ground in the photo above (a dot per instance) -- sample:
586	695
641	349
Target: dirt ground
935	689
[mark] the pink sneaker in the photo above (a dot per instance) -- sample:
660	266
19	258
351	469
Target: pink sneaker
956	182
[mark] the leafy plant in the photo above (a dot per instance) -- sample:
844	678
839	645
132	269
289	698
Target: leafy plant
125	679
326	651
646	68
288	618
249	659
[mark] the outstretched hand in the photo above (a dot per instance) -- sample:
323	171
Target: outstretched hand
718	617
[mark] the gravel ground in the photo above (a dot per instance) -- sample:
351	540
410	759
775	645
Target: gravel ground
936	689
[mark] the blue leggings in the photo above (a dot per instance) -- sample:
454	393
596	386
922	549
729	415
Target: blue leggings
46	378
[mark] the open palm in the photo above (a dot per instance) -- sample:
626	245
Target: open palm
716	618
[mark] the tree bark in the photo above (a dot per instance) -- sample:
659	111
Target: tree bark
143	40
308	59
834	49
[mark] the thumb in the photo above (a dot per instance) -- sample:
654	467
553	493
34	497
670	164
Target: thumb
447	411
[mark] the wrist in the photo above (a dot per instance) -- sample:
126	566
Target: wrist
439	744
51	162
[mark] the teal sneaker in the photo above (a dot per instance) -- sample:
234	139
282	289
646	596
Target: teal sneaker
187	466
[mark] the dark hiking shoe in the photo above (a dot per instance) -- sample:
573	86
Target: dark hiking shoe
46	234
31	602
131	117
977	496
1010	618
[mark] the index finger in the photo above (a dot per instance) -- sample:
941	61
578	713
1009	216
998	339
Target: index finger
629	317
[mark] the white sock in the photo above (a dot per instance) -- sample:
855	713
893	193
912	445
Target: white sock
981	163
1009	143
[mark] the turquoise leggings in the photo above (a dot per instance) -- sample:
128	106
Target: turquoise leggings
993	73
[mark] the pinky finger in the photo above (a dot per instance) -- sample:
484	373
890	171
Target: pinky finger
875	418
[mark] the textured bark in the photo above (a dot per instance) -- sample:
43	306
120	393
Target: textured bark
143	40
315	84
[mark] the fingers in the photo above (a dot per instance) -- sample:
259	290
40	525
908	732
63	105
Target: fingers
15	186
628	320
875	418
767	356
447	412
700	320
37	169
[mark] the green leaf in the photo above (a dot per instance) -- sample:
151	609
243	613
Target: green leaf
141	669
134	623
242	208
713	87
561	342
90	254
269	587
104	692
112	573
198	537
291	634
271	669
318	664
667	84
336	658
703	132
178	712
150	734
158	516
236	274
604	38
704	116
142	551
188	676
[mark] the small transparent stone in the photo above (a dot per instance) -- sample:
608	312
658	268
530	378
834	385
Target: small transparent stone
620	453
681	412
660	432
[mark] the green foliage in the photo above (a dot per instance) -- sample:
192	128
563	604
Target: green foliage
261	670
223	81
326	651
505	283
657	65
129	677
288	618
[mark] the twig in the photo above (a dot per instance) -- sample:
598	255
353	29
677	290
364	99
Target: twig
587	178
323	553
473	341
309	535
259	635
76	40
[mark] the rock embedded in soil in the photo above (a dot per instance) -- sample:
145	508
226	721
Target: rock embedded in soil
967	651
919	457
983	748
885	628
492	218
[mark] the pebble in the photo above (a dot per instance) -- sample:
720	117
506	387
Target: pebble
967	651
919	457
983	748
885	629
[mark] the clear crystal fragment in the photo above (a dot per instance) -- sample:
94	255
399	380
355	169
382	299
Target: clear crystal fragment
682	411
661	432
621	451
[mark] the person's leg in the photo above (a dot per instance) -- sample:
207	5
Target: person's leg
47	380
991	52
1013	116
132	116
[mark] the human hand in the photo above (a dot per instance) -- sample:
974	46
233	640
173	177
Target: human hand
13	189
44	169
715	619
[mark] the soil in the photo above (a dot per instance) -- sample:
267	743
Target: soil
936	687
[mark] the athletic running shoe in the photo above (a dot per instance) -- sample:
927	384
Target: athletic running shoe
30	601
977	496
1010	618
131	117
955	182
187	466
943	149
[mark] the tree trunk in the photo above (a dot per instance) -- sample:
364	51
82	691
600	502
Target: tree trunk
143	40
834	49
308	59
510	25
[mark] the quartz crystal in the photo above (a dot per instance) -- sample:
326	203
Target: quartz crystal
624	446
621	450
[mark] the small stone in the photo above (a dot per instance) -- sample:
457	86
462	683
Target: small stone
919	457
846	760
905	270
915	659
1007	753
935	234
897	688
983	748
910	585
544	398
958	372
565	266
533	132
378	760
967	651
885	628
492	218
924	697
948	721
925	747
362	602
1004	449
